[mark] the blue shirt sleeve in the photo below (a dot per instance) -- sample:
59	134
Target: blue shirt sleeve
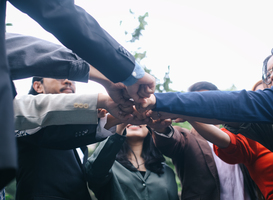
228	106
137	73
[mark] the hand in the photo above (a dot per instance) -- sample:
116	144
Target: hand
181	118
160	125
147	104
120	128
177	120
155	115
117	91
138	118
142	89
111	121
105	101
102	112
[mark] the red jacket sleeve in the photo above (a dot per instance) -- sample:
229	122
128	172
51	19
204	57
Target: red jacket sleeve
239	150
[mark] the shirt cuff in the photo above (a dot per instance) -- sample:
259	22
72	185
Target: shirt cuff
136	74
102	131
166	135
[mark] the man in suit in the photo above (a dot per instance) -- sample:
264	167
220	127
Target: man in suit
50	165
203	175
80	32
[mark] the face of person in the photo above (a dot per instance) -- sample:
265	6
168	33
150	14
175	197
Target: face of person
56	86
136	131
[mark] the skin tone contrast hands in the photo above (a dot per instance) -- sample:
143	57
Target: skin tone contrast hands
117	91
121	94
130	116
106	102
133	105
142	89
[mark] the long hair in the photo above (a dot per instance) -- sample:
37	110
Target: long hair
153	158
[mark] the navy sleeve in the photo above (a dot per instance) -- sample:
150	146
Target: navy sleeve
80	32
229	106
29	56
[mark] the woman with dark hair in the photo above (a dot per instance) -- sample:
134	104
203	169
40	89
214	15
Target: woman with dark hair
127	165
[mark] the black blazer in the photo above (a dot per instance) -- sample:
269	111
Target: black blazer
78	31
48	167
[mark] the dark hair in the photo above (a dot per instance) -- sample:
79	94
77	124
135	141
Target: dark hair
152	156
32	91
264	69
202	85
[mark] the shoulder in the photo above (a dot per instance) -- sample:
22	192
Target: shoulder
167	168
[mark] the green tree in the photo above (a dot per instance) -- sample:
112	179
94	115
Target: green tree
232	88
140	54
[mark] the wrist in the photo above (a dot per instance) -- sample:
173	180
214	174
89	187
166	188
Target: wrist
111	121
167	131
102	101
120	128
98	77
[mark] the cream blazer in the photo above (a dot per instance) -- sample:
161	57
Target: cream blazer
32	111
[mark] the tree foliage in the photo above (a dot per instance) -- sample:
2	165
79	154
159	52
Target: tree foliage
140	55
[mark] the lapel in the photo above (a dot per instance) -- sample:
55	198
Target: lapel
207	152
85	153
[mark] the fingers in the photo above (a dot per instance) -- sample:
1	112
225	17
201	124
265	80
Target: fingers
179	120
155	115
126	108
160	125
137	121
120	128
102	112
144	91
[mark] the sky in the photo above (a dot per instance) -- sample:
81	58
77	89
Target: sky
223	42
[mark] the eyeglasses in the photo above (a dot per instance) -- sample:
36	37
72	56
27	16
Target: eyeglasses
267	75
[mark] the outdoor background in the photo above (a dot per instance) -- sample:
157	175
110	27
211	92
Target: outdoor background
179	42
223	42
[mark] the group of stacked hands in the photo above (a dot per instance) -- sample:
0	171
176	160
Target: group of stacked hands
131	96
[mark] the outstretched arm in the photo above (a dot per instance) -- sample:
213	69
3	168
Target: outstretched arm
54	109
212	134
58	109
227	106
30	56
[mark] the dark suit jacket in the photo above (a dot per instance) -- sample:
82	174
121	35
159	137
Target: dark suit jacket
78	31
194	163
49	167
8	161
